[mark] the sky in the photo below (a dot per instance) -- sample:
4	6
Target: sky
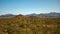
29	6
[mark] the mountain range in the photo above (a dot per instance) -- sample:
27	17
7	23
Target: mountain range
42	15
47	15
7	16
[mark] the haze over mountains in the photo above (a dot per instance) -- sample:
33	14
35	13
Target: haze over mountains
42	15
47	15
6	16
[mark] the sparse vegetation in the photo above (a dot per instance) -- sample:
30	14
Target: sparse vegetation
29	25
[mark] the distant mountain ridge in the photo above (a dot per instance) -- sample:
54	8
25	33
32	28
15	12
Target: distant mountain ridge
7	16
42	15
46	15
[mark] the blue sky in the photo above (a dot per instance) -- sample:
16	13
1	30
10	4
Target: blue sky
29	6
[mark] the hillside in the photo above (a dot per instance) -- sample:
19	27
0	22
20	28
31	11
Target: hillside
29	25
